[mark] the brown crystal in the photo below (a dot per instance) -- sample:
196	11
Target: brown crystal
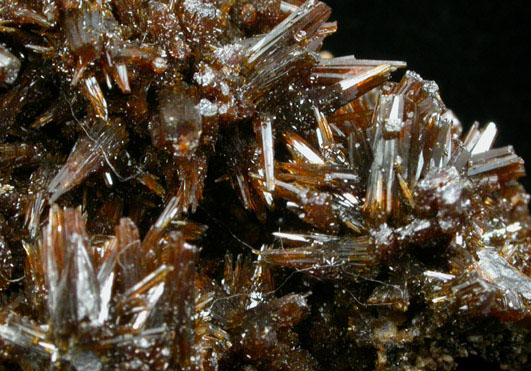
192	185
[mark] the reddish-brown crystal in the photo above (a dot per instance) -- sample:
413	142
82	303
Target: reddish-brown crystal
193	185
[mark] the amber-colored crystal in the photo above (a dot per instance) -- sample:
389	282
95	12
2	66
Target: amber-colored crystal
191	184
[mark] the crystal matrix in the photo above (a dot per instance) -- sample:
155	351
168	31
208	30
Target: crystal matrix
190	184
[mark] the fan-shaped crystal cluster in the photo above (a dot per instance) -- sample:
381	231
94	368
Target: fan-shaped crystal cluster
189	184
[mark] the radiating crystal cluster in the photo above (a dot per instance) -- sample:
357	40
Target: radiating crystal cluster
190	184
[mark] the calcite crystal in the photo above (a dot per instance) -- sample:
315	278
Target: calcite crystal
190	184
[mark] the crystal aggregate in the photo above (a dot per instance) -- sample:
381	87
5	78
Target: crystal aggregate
192	184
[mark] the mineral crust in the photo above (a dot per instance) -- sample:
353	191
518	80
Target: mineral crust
191	185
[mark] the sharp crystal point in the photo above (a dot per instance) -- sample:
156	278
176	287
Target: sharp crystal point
93	92
268	152
198	185
308	17
91	152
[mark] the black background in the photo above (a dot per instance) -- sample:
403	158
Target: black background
478	53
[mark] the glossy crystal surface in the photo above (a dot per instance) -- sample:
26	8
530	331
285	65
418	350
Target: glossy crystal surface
192	184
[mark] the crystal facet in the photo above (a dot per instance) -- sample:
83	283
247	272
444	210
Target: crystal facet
196	185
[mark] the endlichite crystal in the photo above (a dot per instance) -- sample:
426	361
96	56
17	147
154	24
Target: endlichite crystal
192	185
9	66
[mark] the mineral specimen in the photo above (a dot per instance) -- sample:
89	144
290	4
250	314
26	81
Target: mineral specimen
190	184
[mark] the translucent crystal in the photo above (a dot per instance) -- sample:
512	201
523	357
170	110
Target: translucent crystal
95	149
196	185
9	66
179	125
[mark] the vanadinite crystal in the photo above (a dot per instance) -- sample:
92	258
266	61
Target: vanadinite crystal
190	184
